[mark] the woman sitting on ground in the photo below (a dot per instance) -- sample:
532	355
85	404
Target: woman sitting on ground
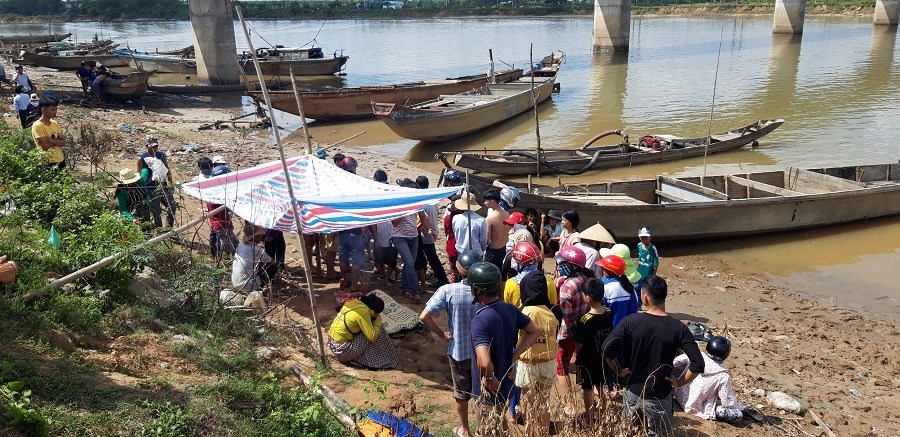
358	337
250	270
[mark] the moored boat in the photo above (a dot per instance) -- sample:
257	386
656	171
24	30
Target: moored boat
73	62
453	115
649	149
122	87
162	63
353	103
33	39
304	61
726	205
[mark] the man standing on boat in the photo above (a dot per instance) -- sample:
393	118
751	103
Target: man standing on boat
497	230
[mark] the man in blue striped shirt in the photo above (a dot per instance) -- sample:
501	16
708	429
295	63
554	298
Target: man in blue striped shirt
456	299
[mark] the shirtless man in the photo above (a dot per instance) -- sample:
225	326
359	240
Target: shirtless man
497	231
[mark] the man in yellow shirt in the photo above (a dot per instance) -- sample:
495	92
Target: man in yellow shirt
48	136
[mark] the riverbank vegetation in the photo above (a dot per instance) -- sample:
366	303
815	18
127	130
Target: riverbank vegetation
112	353
120	10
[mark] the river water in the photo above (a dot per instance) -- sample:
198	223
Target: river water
838	87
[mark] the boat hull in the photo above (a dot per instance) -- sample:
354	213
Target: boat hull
575	160
132	86
71	62
422	125
702	220
355	103
32	39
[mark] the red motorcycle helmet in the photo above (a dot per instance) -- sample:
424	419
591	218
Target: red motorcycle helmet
613	263
571	254
526	253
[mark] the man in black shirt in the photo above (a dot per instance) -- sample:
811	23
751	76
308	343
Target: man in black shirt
649	342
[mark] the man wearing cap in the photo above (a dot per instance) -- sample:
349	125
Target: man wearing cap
456	300
48	136
497	229
218	161
21	78
155	160
551	229
495	331
468	227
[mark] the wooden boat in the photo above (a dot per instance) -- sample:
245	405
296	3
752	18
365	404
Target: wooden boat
697	208
61	62
656	148
353	103
33	39
455	115
158	63
122	87
305	61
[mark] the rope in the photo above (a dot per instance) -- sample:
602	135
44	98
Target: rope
713	104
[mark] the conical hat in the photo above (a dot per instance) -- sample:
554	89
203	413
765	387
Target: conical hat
597	233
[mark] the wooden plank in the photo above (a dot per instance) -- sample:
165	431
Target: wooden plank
756	185
823	181
668	196
709	192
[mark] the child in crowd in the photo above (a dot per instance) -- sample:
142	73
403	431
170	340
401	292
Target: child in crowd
618	293
648	257
590	333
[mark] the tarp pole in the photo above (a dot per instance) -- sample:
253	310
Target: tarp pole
300	113
469	209
290	187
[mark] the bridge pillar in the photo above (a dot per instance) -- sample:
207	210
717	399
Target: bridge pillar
612	25
789	16
214	45
887	12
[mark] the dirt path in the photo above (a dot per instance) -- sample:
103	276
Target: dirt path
841	364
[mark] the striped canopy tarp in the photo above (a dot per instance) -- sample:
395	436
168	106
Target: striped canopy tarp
329	198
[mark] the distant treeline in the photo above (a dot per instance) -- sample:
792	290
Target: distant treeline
105	10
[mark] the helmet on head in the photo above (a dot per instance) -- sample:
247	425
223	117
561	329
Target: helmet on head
613	263
485	277
510	195
349	164
467	258
718	347
526	253
220	170
452	177
572	255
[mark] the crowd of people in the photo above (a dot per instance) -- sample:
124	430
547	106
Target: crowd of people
514	329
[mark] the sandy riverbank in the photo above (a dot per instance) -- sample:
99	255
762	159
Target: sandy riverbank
841	364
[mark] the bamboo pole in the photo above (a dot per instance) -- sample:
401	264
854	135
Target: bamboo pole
537	126
300	113
290	187
71	277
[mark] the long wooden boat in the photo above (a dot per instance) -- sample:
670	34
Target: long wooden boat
33	39
304	61
60	62
122	87
161	63
354	103
455	115
698	208
650	149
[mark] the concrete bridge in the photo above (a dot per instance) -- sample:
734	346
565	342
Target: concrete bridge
612	20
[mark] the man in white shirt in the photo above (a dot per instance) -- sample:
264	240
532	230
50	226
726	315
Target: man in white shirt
461	224
21	78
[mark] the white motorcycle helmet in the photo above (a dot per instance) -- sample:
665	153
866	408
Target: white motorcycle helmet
510	195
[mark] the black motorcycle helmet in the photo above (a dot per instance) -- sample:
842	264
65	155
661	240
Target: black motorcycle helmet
468	258
718	347
484	277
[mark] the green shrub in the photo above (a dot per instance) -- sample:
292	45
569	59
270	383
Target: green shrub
15	407
170	421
